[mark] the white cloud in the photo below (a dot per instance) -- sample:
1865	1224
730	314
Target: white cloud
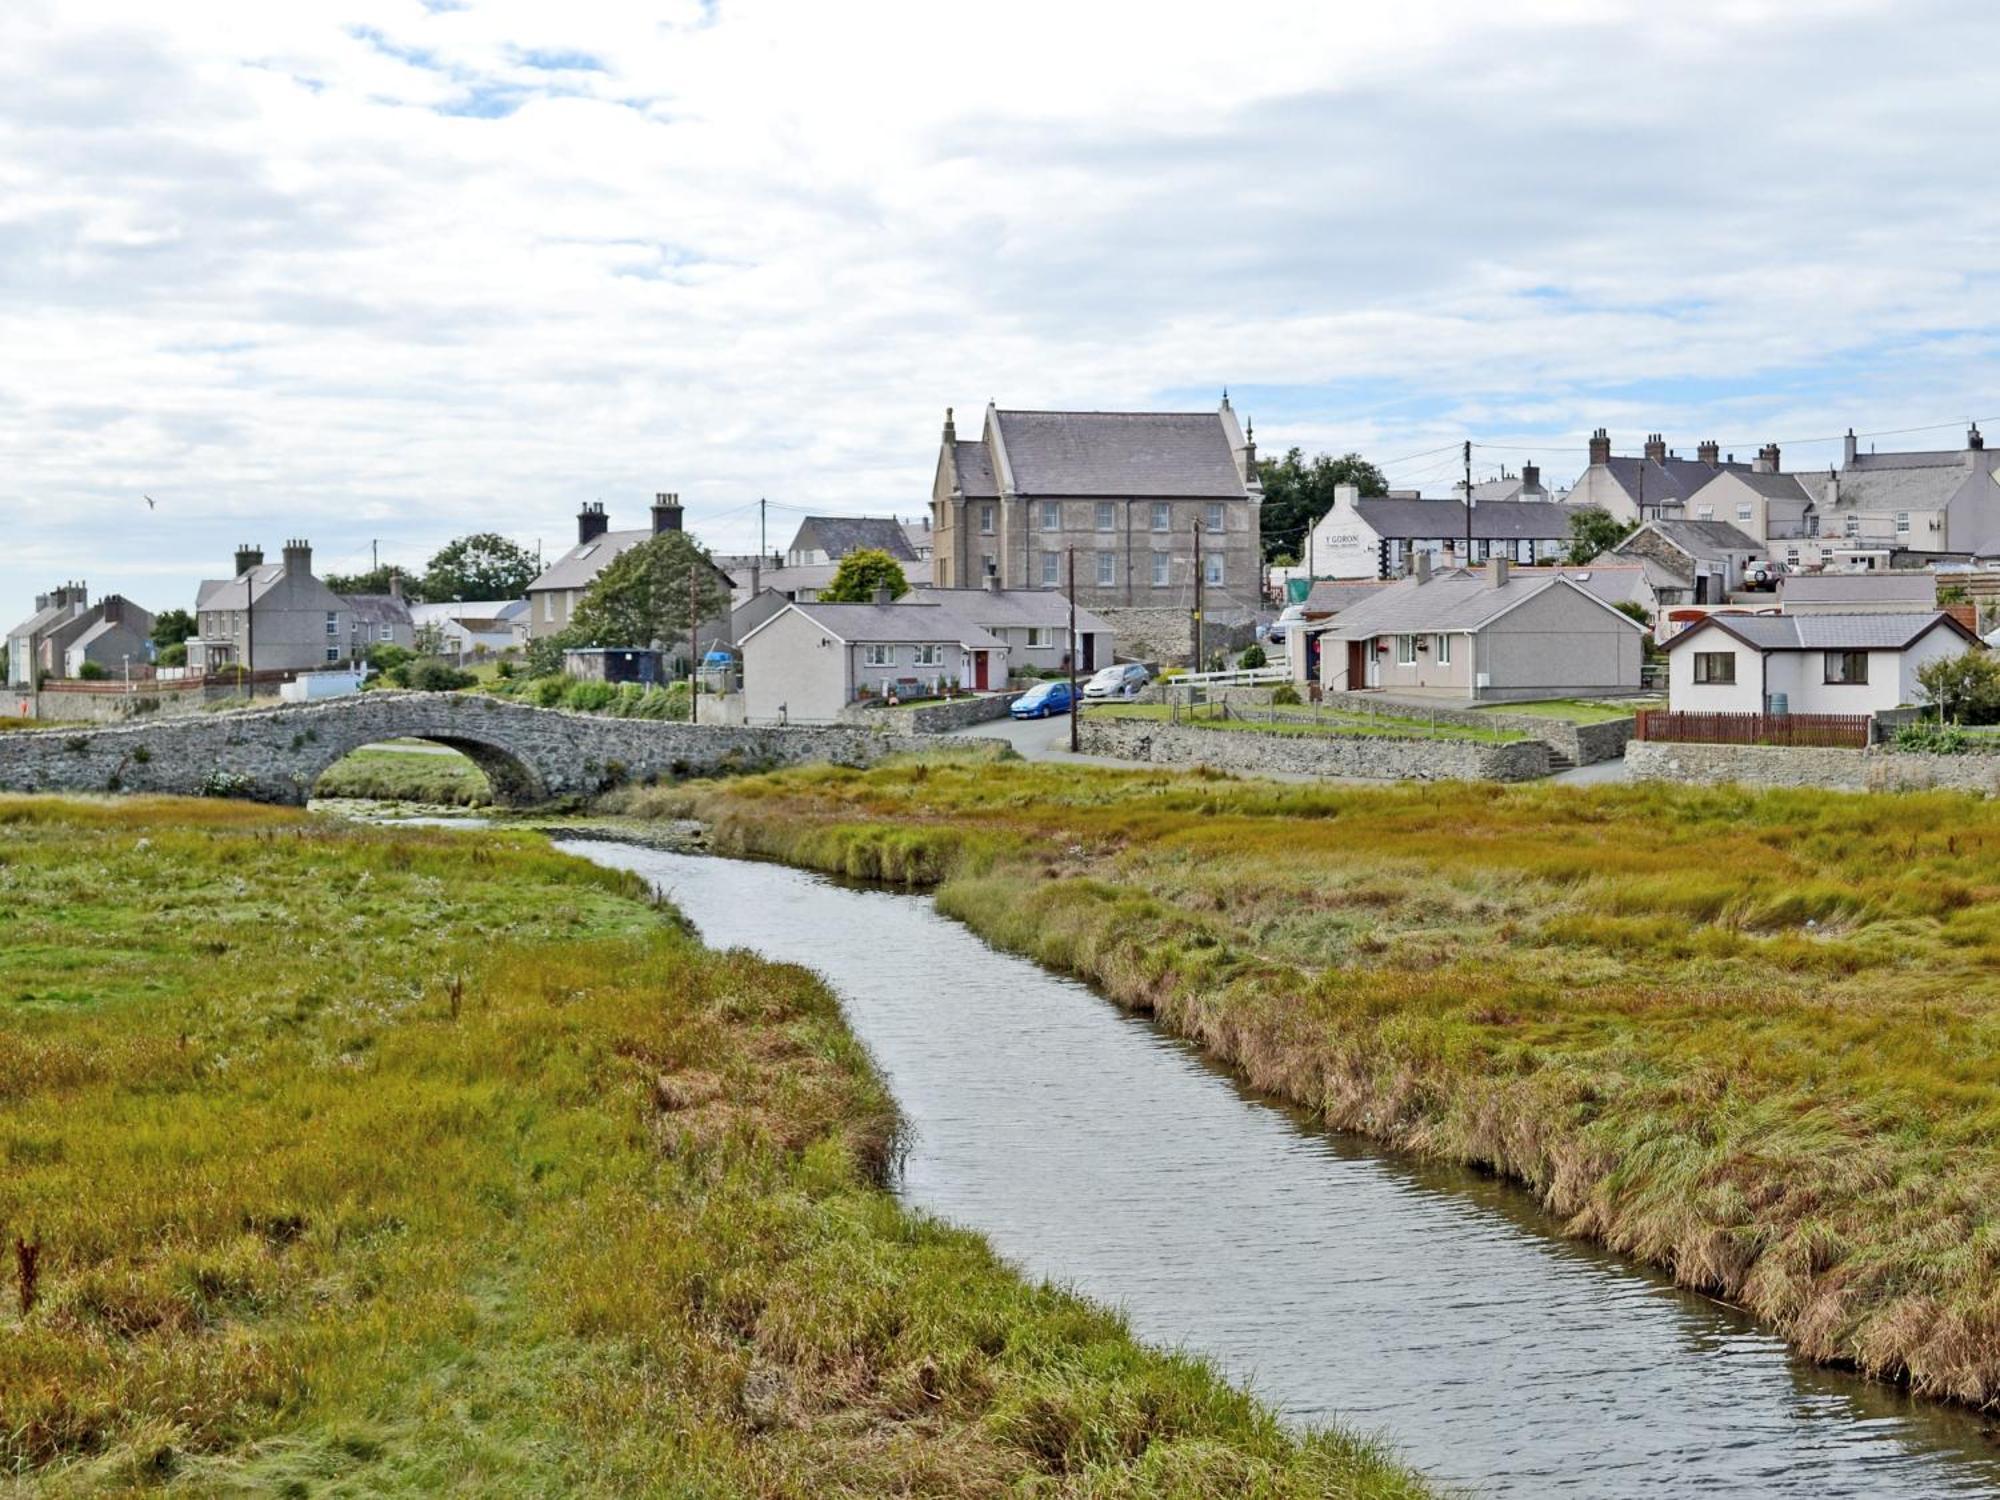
398	271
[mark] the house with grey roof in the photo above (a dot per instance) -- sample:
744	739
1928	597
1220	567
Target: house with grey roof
269	617
25	661
1656	483
821	540
807	662
555	594
1768	506
1496	634
1818	663
1691	562
1382	537
1526	485
1032	623
472	627
1878	509
113	633
380	620
1137	497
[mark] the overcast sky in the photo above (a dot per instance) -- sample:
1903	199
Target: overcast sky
398	270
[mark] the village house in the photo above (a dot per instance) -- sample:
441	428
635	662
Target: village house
380	620
554	596
1881	510
1134	495
1657	484
479	627
824	540
114	634
1689	562
1808	663
269	617
807	662
1492	635
1525	486
1382	537
25	662
1033	624
1765	505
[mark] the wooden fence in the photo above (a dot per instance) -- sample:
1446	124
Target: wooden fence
1824	731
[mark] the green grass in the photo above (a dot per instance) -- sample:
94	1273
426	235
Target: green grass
404	1162
1329	722
1575	710
387	775
1752	1038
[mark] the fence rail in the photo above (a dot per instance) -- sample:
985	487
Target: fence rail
1820	731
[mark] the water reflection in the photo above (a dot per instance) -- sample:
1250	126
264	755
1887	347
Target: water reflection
1429	1303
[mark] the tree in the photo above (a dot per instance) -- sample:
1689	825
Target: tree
1298	493
175	655
374	581
484	565
171	627
642	598
861	573
1964	688
1594	530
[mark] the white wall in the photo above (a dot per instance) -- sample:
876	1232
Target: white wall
1744	696
1801	677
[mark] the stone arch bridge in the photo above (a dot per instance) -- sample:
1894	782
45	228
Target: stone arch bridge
531	755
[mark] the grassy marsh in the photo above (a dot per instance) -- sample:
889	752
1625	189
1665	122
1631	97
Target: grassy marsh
1297	722
406	1161
1753	1038
382	774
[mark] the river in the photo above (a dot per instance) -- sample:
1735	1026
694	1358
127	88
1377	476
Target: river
1425	1303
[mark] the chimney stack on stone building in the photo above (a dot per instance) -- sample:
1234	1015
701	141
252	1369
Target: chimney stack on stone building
591	522
666	513
1709	453
1600	446
298	557
247	557
1656	448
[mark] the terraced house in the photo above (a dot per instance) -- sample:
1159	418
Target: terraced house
1135	496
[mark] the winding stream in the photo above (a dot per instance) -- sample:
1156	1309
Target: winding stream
1423	1302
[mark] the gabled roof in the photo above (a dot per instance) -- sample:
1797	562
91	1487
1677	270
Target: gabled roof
1161	455
377	609
837	536
888	624
1332	595
1710	541
1492	521
1667	480
229	593
1877	631
578	568
1453	602
42	619
1009	609
975	470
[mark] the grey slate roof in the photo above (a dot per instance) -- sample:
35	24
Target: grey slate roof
1879	631
1008	609
1163	455
897	624
837	536
377	609
1918	590
1492	521
1666	480
1449	602
1711	541
975	470
228	593
1332	595
578	568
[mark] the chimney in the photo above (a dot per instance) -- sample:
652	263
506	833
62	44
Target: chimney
1709	453
992	581
591	522
1656	448
1423	569
1973	440
247	557
1496	572
1600	446
395	583
1849	451
1249	451
950	428
298	557
666	513
1348	495
1767	459
113	607
884	596
1531	476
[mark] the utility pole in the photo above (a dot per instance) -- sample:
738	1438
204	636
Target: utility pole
694	650
763	541
1075	705
1197	594
1468	502
374	554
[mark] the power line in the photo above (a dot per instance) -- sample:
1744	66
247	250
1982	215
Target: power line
1795	442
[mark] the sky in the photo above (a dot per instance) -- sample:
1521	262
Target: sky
380	273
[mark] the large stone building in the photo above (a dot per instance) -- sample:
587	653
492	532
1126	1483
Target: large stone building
270	616
1131	495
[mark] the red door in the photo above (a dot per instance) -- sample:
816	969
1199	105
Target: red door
1357	665
979	671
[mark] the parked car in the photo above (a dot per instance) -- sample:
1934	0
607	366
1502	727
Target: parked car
1122	681
1763	575
1281	628
1042	701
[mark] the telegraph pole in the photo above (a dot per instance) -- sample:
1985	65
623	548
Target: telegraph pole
763	542
1468	502
1197	594
1075	705
694	650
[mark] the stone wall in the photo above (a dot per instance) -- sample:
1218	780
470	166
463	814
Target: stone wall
1374	757
1585	744
1165	637
110	703
929	718
531	755
1872	770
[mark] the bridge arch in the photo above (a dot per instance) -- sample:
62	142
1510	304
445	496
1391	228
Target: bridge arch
513	780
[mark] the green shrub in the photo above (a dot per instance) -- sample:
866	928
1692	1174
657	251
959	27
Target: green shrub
387	658
1252	658
175	655
505	670
92	671
1928	738
547	692
437	677
588	697
1285	695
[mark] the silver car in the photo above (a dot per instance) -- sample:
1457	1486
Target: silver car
1122	681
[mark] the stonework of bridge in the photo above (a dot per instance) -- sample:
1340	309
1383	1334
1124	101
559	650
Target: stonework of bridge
530	755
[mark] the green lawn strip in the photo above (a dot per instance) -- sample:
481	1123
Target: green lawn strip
1752	1038
1575	710
391	775
1328	723
424	1162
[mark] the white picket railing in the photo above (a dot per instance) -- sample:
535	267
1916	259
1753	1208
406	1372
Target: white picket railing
1269	675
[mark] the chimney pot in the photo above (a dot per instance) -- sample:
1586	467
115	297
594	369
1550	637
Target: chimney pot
666	512
1709	453
1656	448
1422	570
1850	449
884	596
1973	440
591	522
1600	446
247	557
1531	476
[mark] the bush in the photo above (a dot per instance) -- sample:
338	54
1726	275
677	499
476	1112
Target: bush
175	655
1928	738
1964	688
504	670
1284	695
387	658
1252	658
436	677
92	671
588	697
547	692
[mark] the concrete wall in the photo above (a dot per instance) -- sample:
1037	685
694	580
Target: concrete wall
1371	757
1873	770
1743	696
530	754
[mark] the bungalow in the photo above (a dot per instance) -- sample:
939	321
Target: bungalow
1379	538
1032	623
1487	636
1694	562
808	661
1807	663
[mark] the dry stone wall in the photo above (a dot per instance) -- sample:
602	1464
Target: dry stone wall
1373	757
1874	770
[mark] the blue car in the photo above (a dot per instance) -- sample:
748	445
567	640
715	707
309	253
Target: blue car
1042	701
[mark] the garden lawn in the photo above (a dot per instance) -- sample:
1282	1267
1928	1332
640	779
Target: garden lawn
1752	1038
393	1162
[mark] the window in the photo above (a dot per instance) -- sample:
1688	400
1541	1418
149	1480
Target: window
1051	516
1107	516
1406	651
1107	569
332	623
1902	523
1215	515
1850	524
1038	636
1163	516
1211	569
1443	647
386	634
333	653
1743	511
1717	667
1162	569
1704	512
1051	569
878	656
930	656
986	520
1847	666
986	568
1791	557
